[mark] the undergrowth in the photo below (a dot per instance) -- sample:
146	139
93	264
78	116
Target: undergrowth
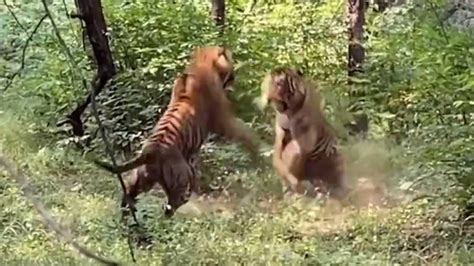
253	226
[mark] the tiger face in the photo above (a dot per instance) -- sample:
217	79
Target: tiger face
220	59
286	90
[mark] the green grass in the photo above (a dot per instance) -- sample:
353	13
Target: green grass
252	225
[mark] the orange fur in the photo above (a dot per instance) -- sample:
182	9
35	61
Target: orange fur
305	144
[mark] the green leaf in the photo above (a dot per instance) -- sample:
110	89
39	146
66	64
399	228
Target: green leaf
458	104
386	115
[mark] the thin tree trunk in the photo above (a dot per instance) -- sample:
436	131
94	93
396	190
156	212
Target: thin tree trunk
356	52
90	12
218	14
355	57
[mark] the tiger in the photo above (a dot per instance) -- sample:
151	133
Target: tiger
198	107
305	144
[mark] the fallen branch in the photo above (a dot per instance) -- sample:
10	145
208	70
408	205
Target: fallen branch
48	220
23	52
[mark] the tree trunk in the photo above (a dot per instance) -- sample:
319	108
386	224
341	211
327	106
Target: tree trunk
218	14
356	53
90	12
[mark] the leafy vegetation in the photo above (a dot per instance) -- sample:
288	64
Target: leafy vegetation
417	166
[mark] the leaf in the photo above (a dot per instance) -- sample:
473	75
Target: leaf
359	80
458	104
386	115
152	70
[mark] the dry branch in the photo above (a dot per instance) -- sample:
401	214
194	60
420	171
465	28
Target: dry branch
48	220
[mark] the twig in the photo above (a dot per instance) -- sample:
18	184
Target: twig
23	53
440	21
65	48
48	220
14	16
419	257
248	11
69	16
468	18
450	12
468	219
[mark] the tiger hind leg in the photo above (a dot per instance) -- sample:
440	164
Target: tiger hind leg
141	180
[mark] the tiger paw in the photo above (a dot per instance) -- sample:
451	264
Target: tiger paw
169	211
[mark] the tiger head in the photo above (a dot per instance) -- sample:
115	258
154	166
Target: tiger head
220	60
285	89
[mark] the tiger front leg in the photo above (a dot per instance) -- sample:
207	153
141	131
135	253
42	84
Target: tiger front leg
224	122
235	130
288	180
293	159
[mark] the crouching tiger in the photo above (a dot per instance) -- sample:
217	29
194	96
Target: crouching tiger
198	107
305	144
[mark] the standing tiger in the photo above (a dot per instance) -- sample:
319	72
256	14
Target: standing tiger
198	107
305	143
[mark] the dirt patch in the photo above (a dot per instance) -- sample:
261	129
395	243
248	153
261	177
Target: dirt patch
203	205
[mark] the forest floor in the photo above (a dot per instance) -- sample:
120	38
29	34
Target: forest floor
250	223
